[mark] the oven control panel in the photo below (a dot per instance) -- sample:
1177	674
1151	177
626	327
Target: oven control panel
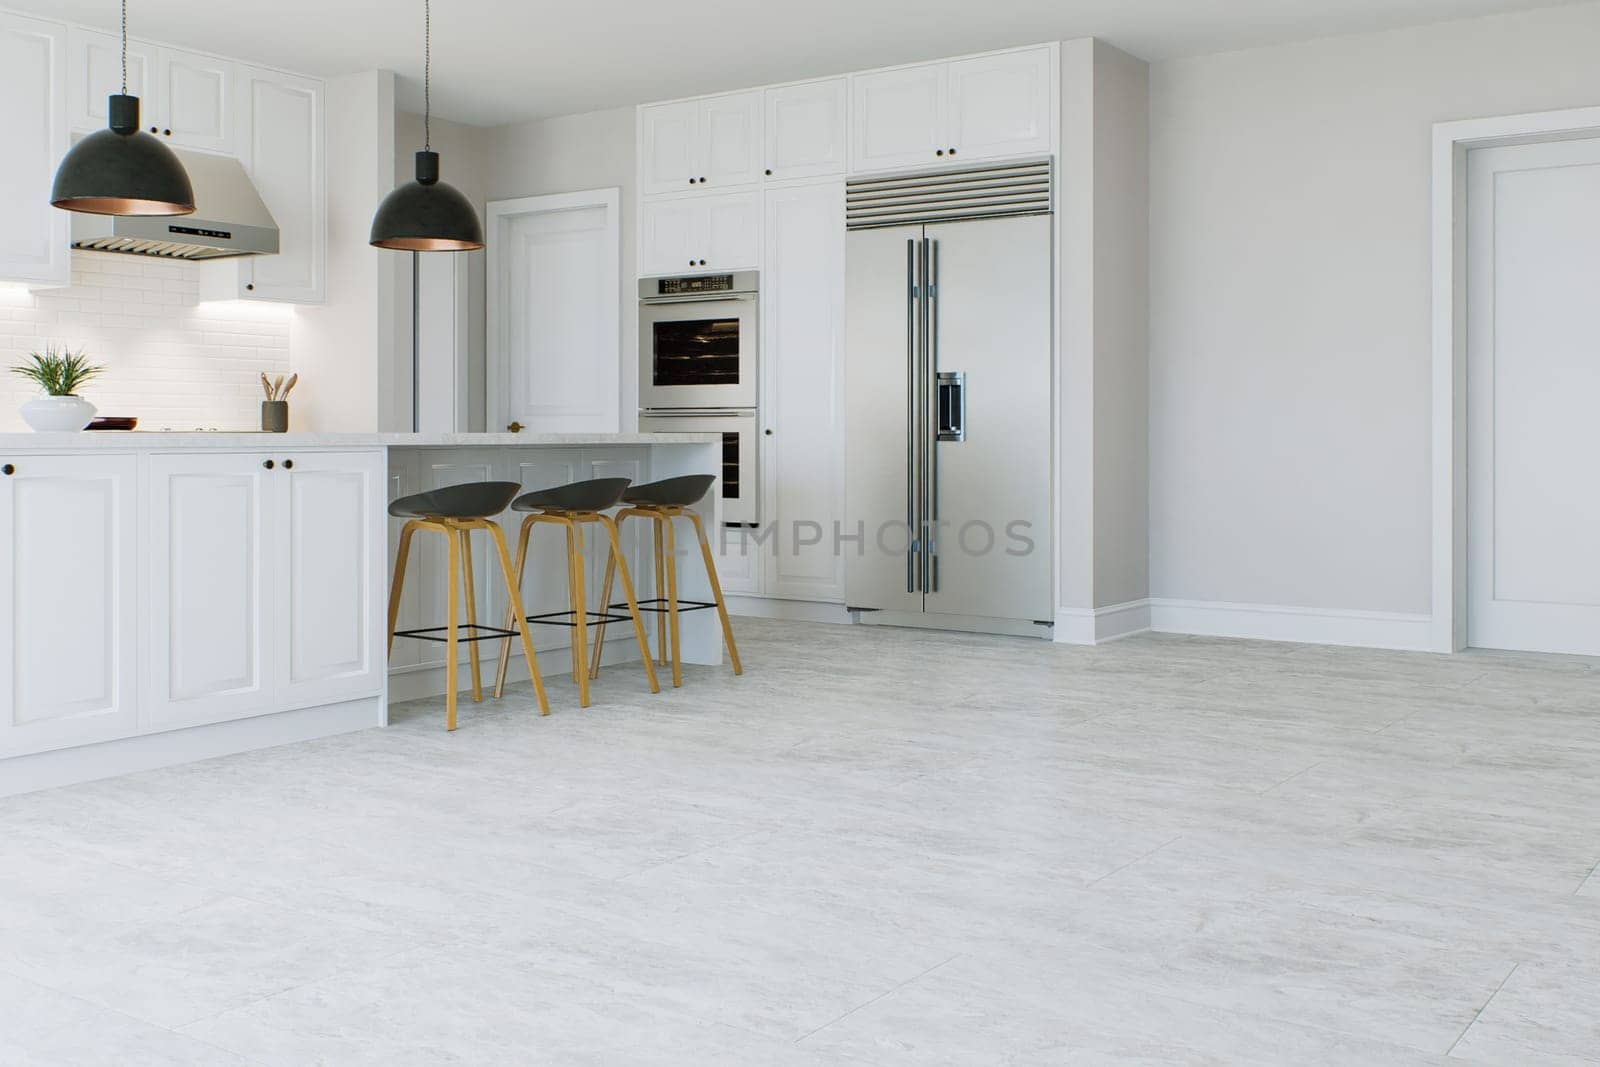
705	283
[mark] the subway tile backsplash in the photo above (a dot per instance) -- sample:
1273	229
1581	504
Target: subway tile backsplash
170	360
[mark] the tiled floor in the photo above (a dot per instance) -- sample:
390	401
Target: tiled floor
877	847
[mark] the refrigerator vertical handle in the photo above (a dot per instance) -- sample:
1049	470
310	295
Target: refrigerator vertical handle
912	344
930	554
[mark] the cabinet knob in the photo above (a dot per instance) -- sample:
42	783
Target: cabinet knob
8	470
268	464
939	152
952	151
288	464
155	129
769	431
515	427
769	172
166	133
250	287
691	181
702	262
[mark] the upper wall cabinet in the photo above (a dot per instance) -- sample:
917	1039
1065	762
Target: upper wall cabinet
805	127
681	235
33	83
713	143
970	109
185	98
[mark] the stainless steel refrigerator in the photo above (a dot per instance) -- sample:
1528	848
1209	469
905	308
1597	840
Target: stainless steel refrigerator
948	396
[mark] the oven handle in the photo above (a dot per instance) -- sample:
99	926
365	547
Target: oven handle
656	301
696	413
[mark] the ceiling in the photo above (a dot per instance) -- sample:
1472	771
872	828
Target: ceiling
499	61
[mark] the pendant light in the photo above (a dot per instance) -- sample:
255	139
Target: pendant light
122	170
427	215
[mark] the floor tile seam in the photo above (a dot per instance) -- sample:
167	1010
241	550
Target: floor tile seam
1481	1009
868	1003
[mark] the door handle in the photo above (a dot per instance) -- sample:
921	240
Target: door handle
515	427
911	415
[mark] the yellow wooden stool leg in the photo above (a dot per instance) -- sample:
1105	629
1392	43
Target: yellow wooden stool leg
633	602
672	601
716	591
517	612
469	584
605	609
512	610
661	590
580	607
399	579
452	619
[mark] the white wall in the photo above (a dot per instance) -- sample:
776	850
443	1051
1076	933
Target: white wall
346	350
571	154
171	361
1289	339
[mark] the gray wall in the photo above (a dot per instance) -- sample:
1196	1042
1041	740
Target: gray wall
1291	294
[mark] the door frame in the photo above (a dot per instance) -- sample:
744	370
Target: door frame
610	200
1451	143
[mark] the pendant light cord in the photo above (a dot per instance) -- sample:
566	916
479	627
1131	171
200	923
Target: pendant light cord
124	47
427	74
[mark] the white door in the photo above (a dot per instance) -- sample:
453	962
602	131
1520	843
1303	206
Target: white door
1001	105
802	365
1533	387
330	596
668	235
33	82
554	306
669	139
192	101
805	127
899	118
210	644
284	153
730	139
68	581
94	66
731	232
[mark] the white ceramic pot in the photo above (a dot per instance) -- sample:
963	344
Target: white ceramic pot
56	414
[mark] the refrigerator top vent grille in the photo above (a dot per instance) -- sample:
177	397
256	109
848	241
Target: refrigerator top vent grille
991	192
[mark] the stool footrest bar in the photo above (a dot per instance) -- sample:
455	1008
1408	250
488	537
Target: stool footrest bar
491	633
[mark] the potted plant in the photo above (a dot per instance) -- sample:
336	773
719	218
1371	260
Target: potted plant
59	372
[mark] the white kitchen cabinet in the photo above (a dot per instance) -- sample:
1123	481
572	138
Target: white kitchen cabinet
683	235
265	583
739	553
68	598
282	117
988	107
805	130
802	314
897	117
94	71
330	594
191	102
33	83
210	638
708	144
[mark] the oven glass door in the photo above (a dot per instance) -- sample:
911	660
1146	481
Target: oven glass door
698	353
740	466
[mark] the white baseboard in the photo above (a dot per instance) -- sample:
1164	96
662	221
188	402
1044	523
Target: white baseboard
1318	626
762	607
87	763
1096	626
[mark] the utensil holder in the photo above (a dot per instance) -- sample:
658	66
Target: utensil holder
275	416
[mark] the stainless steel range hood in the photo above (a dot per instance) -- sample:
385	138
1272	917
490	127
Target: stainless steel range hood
229	219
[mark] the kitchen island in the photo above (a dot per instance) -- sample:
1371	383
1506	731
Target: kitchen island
167	597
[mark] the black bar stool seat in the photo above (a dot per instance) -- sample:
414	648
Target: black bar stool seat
661	502
573	506
456	511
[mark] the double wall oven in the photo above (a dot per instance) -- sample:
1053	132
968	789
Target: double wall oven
699	346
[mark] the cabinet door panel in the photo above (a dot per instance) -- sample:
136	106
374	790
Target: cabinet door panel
68	584
667	236
1001	105
802	332
670	136
730	137
732	232
329	596
284	156
898	118
805	130
210	577
33	82
194	99
94	64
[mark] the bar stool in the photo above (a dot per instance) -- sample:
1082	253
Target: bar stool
573	506
456	511
661	502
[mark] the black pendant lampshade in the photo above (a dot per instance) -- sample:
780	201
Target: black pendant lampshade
121	170
427	215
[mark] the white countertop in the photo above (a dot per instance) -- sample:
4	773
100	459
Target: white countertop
138	441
